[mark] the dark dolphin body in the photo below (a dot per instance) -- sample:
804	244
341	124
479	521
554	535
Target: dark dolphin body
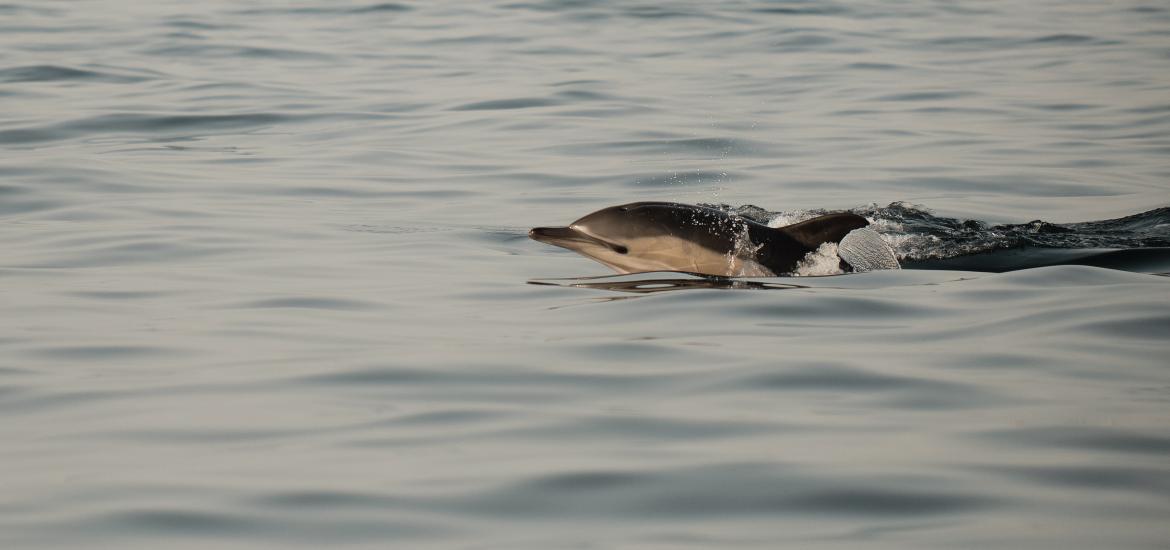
665	236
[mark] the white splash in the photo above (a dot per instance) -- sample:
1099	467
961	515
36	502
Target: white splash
782	219
822	261
740	260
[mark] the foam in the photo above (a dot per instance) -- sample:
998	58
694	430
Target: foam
820	262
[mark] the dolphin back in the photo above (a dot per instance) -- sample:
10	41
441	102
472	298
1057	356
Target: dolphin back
830	228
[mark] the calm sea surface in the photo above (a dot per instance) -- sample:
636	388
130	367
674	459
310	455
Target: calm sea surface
264	276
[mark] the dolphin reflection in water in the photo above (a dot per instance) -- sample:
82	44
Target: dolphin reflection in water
665	236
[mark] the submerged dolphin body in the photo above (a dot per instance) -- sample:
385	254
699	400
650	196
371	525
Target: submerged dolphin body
665	236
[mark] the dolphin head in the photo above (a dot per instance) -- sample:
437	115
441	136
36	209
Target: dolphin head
605	235
646	236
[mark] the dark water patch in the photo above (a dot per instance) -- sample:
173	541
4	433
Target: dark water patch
8	392
184	522
562	51
458	417
28	400
483	375
1065	107
175	436
940	95
474	40
177	524
967	43
507	104
381	7
904	392
856	309
52	73
15	9
326	500
367	9
713	147
584	95
501	235
15	207
582	82
833	378
1134	326
117	295
237	52
1063	39
29	135
729	490
605	112
887	503
149	124
998	260
102	352
557	5
1000	360
1102	439
195	24
802	42
802	8
311	302
1020	187
50	30
139	252
660	12
645	428
870	66
1094	478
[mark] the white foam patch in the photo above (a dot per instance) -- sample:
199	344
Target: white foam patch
788	218
885	226
822	261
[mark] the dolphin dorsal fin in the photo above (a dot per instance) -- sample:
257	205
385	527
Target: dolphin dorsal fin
821	229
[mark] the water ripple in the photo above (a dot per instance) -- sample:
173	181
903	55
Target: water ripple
149	124
730	490
51	73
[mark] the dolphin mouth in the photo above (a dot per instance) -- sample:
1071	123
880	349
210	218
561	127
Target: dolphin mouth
566	237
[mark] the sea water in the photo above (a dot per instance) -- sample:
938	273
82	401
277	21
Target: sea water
264	276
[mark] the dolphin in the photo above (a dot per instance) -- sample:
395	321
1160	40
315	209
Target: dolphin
667	236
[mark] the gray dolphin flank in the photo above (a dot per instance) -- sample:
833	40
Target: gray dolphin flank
666	236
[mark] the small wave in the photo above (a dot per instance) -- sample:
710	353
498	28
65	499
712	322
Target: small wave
141	123
229	51
382	7
505	104
310	302
53	73
717	490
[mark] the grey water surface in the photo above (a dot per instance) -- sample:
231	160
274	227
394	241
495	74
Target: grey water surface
264	276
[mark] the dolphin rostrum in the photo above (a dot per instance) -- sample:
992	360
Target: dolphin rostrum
666	236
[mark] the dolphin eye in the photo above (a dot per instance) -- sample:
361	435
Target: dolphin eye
621	249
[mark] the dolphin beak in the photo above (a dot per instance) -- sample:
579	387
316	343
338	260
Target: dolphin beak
554	235
566	237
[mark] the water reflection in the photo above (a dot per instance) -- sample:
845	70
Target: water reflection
647	283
